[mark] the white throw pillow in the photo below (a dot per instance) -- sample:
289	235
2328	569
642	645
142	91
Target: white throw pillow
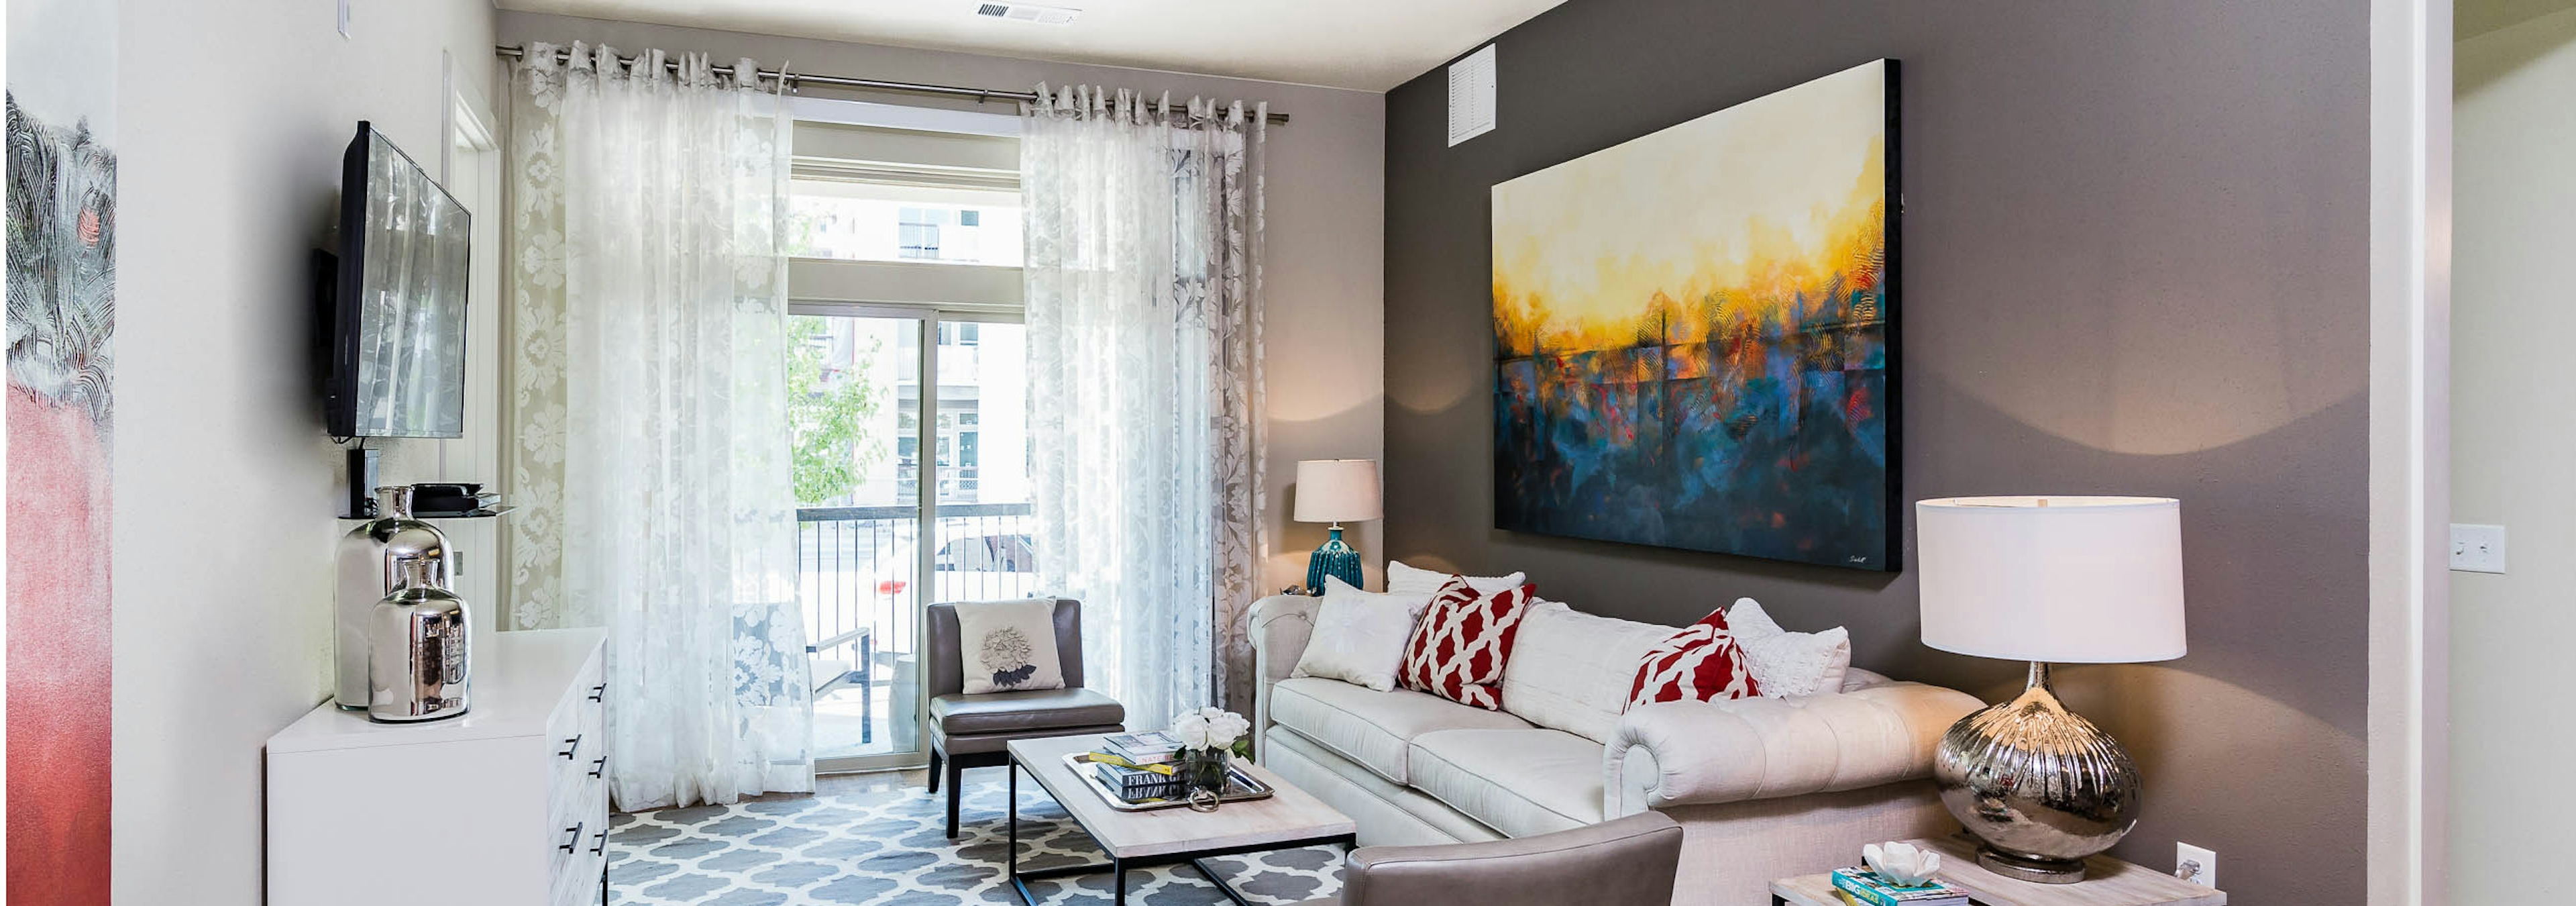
1788	663
1412	580
1008	646
1359	635
1571	670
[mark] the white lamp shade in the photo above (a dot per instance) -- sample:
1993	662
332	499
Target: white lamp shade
2079	580
1337	490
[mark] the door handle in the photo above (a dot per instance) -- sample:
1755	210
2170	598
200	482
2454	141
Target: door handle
573	837
599	766
570	746
599	843
599	692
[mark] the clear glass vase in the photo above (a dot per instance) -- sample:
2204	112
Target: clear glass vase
1203	770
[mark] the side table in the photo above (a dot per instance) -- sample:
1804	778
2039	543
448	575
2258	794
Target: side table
2107	882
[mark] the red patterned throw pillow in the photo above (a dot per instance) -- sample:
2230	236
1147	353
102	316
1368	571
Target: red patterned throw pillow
1459	649
1702	662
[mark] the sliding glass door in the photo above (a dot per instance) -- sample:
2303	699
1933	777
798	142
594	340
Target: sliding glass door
911	492
912	449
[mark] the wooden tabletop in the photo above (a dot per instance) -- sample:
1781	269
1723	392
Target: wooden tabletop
2107	882
1290	814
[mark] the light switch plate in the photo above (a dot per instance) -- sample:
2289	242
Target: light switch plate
344	18
2477	548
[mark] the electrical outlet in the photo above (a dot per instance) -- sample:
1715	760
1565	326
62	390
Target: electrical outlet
2197	865
2477	548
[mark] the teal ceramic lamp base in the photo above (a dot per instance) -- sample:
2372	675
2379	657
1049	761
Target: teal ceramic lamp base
1333	559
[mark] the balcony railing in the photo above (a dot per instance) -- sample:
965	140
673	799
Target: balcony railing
858	572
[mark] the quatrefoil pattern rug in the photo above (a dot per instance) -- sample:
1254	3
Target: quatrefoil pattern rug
891	849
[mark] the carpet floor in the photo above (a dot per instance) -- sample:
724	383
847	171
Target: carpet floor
891	849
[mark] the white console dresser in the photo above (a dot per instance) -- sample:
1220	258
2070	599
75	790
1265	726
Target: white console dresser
505	806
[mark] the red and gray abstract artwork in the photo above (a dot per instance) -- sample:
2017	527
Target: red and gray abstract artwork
60	408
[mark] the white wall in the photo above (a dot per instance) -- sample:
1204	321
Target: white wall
2513	180
1325	330
235	115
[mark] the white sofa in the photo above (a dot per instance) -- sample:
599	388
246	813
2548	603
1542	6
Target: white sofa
1764	788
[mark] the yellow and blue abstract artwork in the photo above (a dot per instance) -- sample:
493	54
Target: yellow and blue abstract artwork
1694	333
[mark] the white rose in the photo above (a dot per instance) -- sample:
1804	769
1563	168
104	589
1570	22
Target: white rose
1192	730
1225	728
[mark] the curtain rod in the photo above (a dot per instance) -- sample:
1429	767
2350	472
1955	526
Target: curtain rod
794	79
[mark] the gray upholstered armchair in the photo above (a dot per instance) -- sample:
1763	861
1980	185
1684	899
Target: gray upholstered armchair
1627	862
969	731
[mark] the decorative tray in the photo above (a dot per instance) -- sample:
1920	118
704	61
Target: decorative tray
1240	786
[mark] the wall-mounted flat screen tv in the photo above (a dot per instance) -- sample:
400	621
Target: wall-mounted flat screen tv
397	313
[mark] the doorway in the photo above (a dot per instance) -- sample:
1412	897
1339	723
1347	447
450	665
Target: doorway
910	492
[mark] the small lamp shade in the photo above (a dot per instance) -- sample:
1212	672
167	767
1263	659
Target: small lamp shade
1337	490
2079	580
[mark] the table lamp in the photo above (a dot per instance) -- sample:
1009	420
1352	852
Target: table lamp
1333	490
2086	580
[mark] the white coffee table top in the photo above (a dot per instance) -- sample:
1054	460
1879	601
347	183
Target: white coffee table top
1289	816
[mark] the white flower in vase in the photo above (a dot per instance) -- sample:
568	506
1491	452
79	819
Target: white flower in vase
1210	729
1192	729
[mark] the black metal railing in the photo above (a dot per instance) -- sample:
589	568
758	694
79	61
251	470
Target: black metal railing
857	567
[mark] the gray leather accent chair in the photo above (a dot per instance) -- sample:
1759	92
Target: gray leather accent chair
1627	862
969	731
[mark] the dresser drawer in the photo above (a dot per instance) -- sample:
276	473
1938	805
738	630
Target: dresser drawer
577	744
575	873
581	701
577	789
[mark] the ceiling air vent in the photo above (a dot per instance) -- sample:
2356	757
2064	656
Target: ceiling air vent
1028	12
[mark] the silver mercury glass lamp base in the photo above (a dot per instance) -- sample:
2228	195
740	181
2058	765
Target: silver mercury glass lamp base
2042	786
2036	871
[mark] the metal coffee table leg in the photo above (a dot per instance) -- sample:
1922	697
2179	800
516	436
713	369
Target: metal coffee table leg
1011	860
1117	867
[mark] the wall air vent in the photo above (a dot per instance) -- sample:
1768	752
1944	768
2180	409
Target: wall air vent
1471	95
1028	12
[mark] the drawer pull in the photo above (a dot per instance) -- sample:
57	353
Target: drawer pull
570	746
599	766
599	692
573	836
599	843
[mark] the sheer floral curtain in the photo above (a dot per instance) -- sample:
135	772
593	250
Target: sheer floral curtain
648	321
1143	277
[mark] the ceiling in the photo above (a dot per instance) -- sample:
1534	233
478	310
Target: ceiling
1370	45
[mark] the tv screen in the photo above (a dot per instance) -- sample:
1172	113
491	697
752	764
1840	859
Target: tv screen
398	341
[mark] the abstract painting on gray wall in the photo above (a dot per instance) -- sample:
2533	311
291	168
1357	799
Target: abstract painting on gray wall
1693	333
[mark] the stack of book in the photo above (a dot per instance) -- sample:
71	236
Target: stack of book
1133	784
1140	749
1864	887
1137	766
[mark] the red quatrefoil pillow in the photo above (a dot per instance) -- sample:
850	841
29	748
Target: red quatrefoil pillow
1458	650
1703	662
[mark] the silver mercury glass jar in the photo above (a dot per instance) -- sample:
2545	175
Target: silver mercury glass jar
366	572
418	665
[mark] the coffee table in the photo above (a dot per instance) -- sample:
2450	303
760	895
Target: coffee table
1290	818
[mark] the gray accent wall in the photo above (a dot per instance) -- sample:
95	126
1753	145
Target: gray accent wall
2134	262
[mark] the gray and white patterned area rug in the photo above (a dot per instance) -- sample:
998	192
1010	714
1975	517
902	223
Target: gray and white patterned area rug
892	849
